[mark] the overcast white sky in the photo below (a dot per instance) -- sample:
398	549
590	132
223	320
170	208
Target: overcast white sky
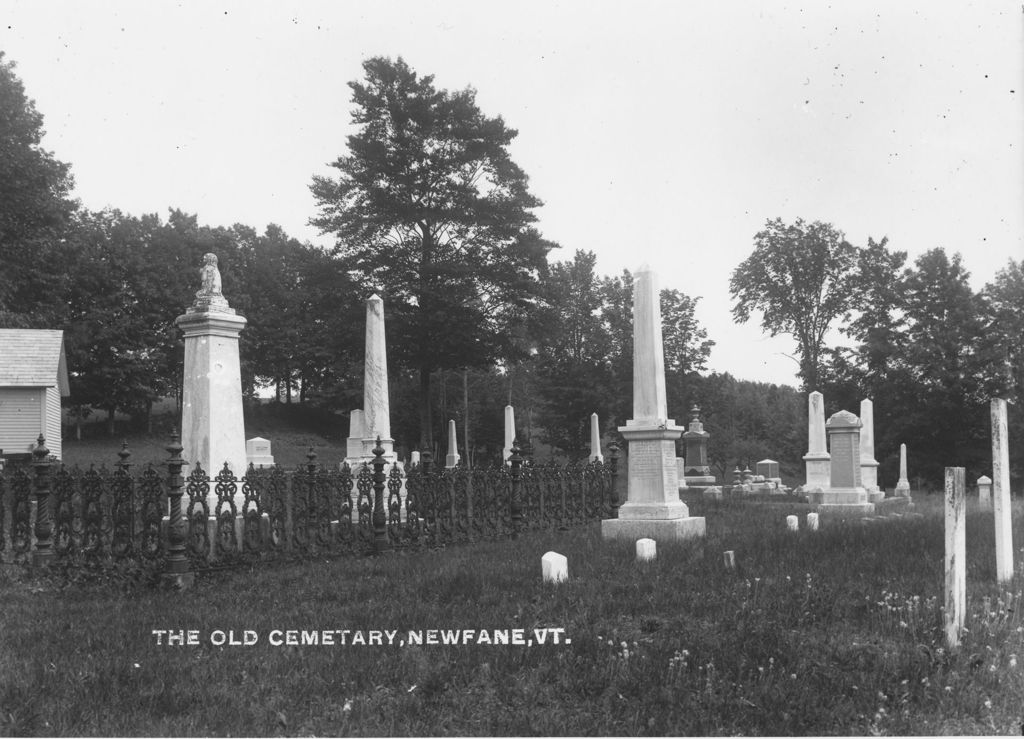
659	132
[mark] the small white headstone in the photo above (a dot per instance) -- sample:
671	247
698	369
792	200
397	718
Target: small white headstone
729	559
554	567
812	521
646	549
257	452
985	491
414	459
792	523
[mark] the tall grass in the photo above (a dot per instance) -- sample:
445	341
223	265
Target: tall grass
835	632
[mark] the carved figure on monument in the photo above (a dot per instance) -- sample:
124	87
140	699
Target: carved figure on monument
210	297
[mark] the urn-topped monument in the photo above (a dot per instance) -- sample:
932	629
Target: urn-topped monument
696	470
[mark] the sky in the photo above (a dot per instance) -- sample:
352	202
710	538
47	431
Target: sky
664	133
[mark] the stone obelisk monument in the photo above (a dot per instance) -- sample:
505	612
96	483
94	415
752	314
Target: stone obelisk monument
212	427
652	509
903	484
452	458
376	405
868	463
510	433
817	459
595	439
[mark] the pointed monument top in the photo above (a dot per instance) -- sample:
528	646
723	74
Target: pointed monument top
375	298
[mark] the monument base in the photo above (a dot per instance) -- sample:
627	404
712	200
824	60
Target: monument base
876	496
660	529
699	480
841	500
902	489
819	470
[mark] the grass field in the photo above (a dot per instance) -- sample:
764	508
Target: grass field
834	632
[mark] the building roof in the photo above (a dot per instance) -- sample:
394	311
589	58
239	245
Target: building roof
33	358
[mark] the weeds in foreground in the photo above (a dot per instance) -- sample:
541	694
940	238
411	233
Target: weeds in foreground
837	632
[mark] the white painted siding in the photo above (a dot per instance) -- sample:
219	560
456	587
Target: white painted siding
53	417
21	412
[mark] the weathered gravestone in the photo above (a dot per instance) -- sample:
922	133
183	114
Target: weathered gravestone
845	494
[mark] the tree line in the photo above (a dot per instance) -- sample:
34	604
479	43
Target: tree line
916	338
428	209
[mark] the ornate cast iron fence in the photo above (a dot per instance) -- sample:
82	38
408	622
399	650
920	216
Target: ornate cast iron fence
103	517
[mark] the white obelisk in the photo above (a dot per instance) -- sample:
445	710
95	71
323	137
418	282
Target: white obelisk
595	439
653	509
868	463
452	459
817	458
510	433
376	406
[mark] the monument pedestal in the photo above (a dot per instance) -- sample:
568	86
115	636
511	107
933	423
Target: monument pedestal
212	425
653	510
819	467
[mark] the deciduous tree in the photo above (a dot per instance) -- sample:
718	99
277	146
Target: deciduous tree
801	278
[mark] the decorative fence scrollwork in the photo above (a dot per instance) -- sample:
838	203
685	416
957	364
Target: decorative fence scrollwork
101	517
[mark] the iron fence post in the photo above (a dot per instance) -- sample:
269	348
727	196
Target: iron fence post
380	528
176	570
613	461
515	502
43	554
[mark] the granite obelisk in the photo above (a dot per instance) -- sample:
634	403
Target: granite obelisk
817	458
376	406
868	463
595	439
653	509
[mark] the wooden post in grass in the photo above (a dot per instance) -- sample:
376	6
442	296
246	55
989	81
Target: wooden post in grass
1001	492
43	554
380	528
515	501
956	556
613	463
176	571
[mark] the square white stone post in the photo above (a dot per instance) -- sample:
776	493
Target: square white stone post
1001	492
868	463
956	556
816	459
653	509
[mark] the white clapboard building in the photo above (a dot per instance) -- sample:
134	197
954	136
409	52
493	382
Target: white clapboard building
33	379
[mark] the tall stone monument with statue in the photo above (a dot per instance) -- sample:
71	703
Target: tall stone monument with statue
212	426
653	509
